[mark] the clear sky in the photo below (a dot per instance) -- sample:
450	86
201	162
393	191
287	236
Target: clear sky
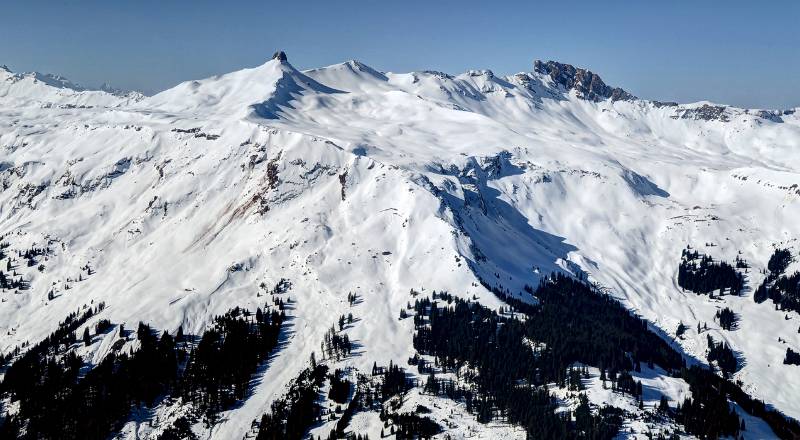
745	53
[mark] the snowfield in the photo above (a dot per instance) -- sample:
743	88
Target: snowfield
174	208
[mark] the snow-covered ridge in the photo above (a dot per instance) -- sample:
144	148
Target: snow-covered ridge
260	91
34	88
347	179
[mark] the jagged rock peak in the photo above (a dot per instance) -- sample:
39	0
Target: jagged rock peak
279	55
588	85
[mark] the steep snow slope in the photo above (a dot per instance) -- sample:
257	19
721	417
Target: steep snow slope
345	179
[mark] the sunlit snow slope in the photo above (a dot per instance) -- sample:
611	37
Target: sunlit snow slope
345	179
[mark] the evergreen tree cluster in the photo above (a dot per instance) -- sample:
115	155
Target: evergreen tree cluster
626	383
292	415
382	384
445	387
602	425
708	417
8	281
785	292
444	296
572	322
181	429
371	392
220	367
792	357
394	382
740	263
32	254
723	355
575	378
708	414
578	324
102	326
782	289
727	318
408	426
335	345
6	357
681	330
282	286
700	274
345	320
779	261
53	344
339	388
55	401
705	385
347	416
761	294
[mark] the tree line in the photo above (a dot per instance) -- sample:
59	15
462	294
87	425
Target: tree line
291	416
55	401
570	308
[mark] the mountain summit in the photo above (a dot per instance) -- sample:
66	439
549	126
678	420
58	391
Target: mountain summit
279	55
587	84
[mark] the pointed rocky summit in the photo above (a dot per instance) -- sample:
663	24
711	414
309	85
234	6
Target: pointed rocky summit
280	56
588	85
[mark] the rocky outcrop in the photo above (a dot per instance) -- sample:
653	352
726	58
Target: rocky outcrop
660	104
771	115
705	112
279	55
586	84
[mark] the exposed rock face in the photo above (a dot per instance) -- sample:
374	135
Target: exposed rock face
279	55
588	85
705	112
483	72
660	104
771	115
438	74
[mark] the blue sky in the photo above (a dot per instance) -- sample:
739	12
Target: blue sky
733	52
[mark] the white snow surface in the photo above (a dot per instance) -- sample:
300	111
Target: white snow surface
47	90
345	179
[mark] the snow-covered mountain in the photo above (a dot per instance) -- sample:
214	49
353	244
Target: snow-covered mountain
49	90
175	208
